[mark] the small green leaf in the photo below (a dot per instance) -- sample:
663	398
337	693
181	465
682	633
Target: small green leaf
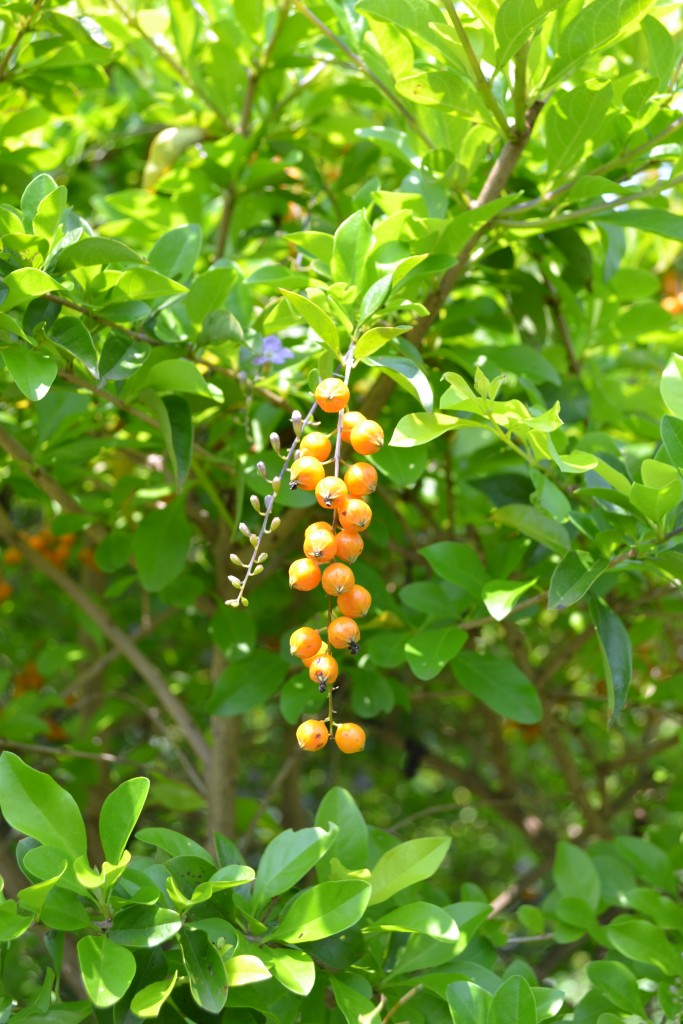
246	969
176	252
406	864
33	372
429	651
147	1002
421	428
92	252
316	318
501	596
160	546
618	983
575	874
24	284
421	918
246	683
107	969
458	564
205	970
534	524
286	860
617	655
468	1003
375	339
119	814
572	578
293	968
140	927
352	245
71	334
513	1003
644	942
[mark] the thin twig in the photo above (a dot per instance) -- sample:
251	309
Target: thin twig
481	81
410	994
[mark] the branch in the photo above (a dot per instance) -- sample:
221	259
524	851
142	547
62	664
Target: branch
45	482
121	641
25	25
482	83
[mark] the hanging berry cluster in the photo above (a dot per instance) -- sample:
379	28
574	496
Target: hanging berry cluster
335	545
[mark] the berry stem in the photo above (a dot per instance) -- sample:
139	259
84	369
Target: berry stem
235	602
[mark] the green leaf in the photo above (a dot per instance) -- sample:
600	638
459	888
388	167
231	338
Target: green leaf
141	927
173	843
617	655
25	284
406	864
407	375
147	1002
339	808
501	596
160	546
374	299
246	683
654	221
119	815
36	805
92	252
205	970
293	968
516	22
209	292
176	252
13	924
572	122
316	318
468	1003
375	339
246	969
429	652
645	942
120	358
575	874
671	386
618	983
49	213
177	429
144	283
500	685
71	334
534	524
513	1003
672	436
458	564
572	578
323	910
33	372
33	897
352	245
286	860
107	969
595	27
177	375
422	918
34	193
421	428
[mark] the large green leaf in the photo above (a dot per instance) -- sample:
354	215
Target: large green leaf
147	1001
205	970
33	372
406	864
160	546
316	318
429	651
325	909
249	682
617	655
498	684
516	21
575	874
421	428
339	808
671	385
513	1003
286	860
458	564
572	121
422	918
33	803
469	1003
352	245
89	252
534	524
107	969
140	927
645	942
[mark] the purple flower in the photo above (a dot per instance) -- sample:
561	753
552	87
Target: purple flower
272	351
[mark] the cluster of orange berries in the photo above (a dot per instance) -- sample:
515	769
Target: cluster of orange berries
336	546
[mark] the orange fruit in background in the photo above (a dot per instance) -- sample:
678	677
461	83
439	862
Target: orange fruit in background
12	556
6	590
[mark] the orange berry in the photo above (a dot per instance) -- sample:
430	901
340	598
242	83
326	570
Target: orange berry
331	491
367	437
317	445
321	524
671	303
322	650
337	579
349	422
305	473
6	590
349	545
350	738
343	633
12	556
354	514
62	553
320	546
304	642
323	670
361	479
355	602
312	734
37	542
304	574
332	394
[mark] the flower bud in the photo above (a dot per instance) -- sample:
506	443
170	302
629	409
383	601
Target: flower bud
256	570
235	582
243	528
261	469
275	442
275	524
297	422
255	503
